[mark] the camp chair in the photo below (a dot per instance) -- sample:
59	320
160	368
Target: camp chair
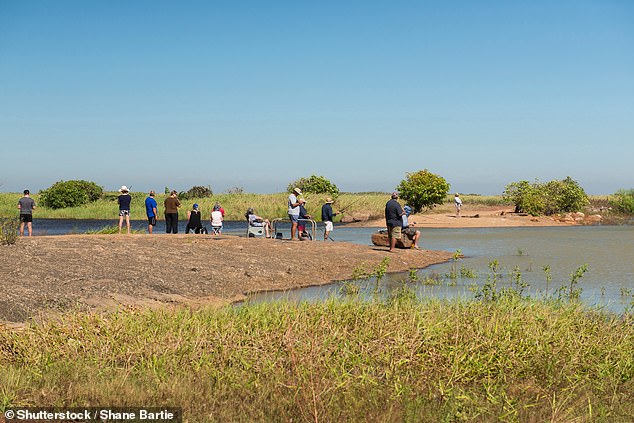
215	230
255	231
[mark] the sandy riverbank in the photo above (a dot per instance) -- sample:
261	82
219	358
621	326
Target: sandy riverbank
46	275
481	217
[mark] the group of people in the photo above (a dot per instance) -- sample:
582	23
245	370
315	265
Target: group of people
396	220
171	204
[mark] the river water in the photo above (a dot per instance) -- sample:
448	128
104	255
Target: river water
608	252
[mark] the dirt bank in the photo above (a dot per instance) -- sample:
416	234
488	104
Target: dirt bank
480	217
43	275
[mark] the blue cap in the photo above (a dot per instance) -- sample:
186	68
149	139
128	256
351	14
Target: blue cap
408	210
195	206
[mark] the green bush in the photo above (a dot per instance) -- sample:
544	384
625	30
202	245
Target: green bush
74	193
196	192
546	198
623	201
315	185
9	230
423	190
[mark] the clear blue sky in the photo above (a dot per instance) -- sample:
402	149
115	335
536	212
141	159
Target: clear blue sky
256	94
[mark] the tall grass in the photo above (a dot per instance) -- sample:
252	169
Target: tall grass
235	205
398	360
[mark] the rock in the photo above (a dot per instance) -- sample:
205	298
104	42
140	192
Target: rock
380	239
594	218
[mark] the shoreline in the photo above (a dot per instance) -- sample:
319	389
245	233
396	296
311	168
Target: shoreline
47	275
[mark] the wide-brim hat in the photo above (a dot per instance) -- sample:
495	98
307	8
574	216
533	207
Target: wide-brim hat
329	200
124	189
297	190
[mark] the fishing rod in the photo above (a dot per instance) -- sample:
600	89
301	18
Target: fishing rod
343	209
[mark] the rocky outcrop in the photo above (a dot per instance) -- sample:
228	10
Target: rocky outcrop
380	239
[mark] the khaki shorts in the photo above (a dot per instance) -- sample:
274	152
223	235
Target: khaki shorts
394	232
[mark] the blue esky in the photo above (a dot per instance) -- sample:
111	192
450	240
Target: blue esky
257	94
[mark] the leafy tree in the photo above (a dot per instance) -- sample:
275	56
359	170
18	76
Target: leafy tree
423	190
623	201
73	193
548	198
196	192
316	185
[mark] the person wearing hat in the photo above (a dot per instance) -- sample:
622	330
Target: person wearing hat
458	203
408	229
327	216
171	204
151	210
303	217
255	220
194	222
124	201
293	211
393	220
216	219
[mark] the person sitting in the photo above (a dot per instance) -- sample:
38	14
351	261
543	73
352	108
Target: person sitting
408	228
216	220
301	223
257	221
194	221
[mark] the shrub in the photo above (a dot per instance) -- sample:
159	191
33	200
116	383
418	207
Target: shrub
623	201
316	185
9	230
196	192
423	190
74	193
548	198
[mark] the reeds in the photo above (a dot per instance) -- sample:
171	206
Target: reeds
339	360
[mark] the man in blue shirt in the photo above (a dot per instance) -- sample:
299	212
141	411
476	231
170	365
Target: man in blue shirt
151	211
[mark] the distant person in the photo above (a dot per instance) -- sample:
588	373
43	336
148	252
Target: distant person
26	205
124	201
301	223
216	219
151	210
257	221
293	211
458	203
393	220
194	220
327	216
408	228
171	213
222	210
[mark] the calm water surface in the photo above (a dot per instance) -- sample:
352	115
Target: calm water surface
607	250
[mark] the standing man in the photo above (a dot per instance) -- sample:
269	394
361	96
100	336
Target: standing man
293	211
151	209
393	220
124	201
171	213
326	216
458	202
26	205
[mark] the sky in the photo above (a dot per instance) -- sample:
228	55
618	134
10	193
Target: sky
256	94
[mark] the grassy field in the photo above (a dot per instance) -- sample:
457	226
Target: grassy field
338	360
235	205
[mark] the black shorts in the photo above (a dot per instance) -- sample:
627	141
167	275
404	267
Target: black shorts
26	218
151	220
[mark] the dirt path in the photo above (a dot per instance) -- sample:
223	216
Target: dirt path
43	275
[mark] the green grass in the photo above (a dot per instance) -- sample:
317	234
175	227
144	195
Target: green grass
404	360
235	205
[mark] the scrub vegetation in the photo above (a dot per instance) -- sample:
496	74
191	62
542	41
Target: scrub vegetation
398	359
